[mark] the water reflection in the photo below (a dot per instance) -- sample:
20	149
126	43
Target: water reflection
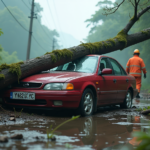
99	133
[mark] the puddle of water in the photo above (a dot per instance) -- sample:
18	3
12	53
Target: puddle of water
141	102
98	132
85	134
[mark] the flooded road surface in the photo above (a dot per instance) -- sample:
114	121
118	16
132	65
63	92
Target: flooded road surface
111	128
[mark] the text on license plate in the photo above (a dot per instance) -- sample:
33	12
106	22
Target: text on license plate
22	95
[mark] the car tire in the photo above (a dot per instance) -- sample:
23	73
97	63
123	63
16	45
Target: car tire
127	101
86	107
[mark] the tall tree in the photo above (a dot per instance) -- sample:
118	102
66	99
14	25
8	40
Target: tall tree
103	27
58	57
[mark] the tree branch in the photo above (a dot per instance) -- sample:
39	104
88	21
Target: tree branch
138	37
133	20
143	11
136	14
115	7
131	3
135	9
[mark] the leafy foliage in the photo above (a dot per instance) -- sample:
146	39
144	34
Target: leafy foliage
144	108
2	76
145	137
8	58
5	57
1	32
17	114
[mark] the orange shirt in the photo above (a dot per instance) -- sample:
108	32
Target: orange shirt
135	66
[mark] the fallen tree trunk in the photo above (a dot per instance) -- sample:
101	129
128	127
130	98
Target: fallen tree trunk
56	58
145	112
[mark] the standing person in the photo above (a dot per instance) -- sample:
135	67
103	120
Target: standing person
135	66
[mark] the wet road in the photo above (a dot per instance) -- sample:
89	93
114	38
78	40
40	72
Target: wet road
111	128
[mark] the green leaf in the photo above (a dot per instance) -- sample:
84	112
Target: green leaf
75	117
69	146
50	132
1	32
143	145
141	135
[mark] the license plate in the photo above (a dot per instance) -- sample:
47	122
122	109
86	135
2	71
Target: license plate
22	95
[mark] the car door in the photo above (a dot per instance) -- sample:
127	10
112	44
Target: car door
121	80
107	87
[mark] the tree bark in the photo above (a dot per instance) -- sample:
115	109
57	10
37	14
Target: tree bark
45	62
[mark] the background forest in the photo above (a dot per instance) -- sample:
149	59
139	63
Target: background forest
105	27
14	39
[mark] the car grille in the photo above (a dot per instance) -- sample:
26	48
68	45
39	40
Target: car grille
35	102
27	85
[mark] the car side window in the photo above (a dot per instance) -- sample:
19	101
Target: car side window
116	67
104	63
123	72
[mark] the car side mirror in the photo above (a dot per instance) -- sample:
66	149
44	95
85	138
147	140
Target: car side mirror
105	71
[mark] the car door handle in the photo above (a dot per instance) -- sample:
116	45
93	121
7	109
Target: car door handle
127	80
114	80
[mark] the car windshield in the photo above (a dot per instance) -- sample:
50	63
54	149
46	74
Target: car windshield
85	64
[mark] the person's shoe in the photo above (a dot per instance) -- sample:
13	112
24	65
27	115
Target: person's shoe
138	96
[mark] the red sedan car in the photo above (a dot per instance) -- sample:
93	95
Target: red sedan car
84	84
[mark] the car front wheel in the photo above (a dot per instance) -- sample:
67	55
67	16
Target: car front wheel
86	107
127	101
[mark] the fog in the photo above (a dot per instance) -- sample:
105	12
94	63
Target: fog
67	25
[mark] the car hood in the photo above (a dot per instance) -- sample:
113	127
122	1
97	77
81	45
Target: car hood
54	77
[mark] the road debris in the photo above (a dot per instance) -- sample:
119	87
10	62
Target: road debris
3	139
17	136
12	119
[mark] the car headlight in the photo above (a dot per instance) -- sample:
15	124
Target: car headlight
59	86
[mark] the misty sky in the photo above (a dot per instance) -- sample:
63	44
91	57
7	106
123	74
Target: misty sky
68	15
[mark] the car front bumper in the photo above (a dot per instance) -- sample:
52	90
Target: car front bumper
45	99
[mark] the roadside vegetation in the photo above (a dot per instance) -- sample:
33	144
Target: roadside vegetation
143	137
144	108
17	114
50	131
145	140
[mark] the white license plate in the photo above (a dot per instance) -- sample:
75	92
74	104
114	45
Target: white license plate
22	95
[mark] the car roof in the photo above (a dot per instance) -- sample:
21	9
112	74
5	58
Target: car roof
98	55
